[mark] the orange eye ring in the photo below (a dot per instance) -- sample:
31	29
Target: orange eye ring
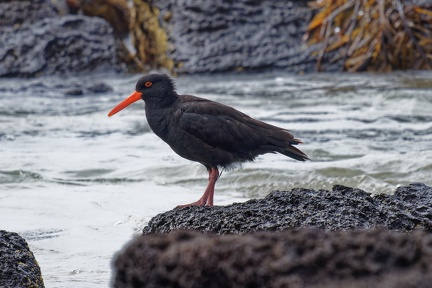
148	84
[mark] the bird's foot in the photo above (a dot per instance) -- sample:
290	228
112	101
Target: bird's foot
196	203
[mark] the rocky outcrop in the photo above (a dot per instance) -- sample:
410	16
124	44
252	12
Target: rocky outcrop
18	267
19	12
292	258
281	245
343	208
180	36
215	36
184	37
37	40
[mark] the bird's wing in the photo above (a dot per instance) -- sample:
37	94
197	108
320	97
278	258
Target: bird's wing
224	127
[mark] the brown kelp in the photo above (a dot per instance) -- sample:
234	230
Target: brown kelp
372	35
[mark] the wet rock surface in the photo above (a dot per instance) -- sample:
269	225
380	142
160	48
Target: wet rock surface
43	42
18	267
217	36
293	258
343	208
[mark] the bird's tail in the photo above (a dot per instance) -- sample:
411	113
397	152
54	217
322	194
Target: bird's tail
279	140
295	153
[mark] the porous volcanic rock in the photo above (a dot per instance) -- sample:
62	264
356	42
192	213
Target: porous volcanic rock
343	208
18	267
277	242
306	257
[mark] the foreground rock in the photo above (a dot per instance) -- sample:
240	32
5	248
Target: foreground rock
18	267
292	258
296	256
343	208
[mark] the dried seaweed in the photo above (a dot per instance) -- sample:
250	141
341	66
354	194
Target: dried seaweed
372	35
149	38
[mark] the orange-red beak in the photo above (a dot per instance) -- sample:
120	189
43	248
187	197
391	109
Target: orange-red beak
131	99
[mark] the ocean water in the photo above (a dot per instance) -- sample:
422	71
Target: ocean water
78	185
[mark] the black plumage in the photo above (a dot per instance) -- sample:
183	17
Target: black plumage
201	130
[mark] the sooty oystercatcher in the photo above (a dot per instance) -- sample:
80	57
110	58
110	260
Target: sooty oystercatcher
201	130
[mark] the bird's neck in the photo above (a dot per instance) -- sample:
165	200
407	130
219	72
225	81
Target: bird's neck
159	120
161	100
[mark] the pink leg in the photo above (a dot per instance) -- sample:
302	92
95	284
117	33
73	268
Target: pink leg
207	198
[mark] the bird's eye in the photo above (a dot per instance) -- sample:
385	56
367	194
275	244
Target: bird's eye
148	84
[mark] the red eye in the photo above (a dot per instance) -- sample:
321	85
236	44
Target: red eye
148	84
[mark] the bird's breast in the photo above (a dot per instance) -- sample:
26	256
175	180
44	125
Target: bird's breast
161	121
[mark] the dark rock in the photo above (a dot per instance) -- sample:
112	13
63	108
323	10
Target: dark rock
297	255
343	208
58	45
99	87
18	12
79	88
18	267
39	39
214	36
294	258
74	92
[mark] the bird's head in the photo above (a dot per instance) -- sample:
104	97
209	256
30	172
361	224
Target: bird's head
157	90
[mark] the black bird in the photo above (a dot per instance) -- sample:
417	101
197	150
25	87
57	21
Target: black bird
201	130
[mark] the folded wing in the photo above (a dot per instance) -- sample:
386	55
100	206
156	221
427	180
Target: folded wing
226	128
